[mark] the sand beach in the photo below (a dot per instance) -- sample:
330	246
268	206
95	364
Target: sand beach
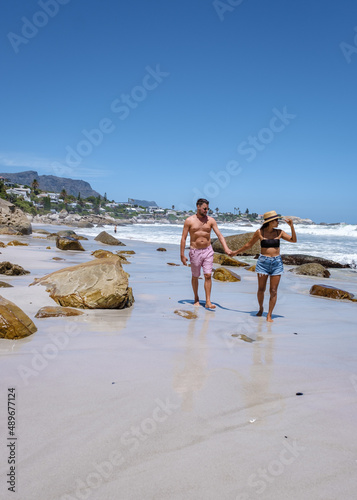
142	403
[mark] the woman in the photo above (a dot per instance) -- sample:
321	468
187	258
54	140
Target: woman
269	262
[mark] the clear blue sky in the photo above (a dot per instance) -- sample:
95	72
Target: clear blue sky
252	104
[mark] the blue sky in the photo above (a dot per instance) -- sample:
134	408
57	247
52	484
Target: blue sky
251	104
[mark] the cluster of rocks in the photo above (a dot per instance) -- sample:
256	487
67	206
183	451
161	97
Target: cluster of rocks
98	284
76	220
13	218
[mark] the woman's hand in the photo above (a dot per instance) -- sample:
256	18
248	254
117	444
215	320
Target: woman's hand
289	221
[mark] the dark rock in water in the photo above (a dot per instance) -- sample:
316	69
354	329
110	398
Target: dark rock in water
14	323
129	252
57	258
42	231
66	243
85	224
12	269
108	239
299	259
161	249
223	274
57	311
237	241
313	269
71	234
331	292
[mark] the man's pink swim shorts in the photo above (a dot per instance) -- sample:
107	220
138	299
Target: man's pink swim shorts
201	257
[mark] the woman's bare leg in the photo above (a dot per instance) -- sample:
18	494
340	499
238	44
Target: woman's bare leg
262	283
274	283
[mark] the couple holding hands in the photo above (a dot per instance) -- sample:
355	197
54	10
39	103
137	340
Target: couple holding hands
269	263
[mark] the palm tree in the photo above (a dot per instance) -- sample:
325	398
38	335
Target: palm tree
217	210
35	186
63	194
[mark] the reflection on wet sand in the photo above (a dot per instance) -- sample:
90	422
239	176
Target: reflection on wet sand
190	370
259	401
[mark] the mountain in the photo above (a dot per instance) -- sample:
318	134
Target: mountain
142	203
52	184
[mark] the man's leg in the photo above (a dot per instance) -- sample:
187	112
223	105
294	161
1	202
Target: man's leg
194	282
262	283
274	283
208	287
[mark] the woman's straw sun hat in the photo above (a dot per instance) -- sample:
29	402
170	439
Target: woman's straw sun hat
269	216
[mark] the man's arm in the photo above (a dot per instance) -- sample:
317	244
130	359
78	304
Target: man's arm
221	238
185	230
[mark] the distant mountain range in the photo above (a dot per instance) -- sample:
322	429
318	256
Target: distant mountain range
52	184
142	203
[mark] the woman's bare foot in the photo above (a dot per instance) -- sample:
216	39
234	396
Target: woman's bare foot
260	312
209	305
269	319
196	302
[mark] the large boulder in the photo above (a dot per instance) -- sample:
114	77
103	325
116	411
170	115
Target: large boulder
331	292
14	218
223	274
299	259
225	260
108	239
14	323
98	284
12	269
67	243
313	269
237	241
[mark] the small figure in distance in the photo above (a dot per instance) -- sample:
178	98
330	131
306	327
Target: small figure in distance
115	229
269	262
201	252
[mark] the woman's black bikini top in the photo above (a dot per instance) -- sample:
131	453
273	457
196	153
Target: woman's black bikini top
272	243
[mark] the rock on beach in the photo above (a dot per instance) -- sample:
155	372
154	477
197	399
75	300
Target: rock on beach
98	284
108	239
14	323
237	241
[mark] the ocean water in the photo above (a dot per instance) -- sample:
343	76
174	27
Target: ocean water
335	242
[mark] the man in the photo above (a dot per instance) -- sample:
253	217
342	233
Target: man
201	252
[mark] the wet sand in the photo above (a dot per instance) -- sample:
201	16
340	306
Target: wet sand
142	403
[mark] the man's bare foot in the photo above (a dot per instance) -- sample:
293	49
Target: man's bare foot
269	319
209	305
196	302
260	312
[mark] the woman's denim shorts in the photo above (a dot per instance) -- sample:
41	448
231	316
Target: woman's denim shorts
272	266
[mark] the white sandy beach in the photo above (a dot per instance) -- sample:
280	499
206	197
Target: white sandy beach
143	404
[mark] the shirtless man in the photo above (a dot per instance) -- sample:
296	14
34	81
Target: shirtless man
201	252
